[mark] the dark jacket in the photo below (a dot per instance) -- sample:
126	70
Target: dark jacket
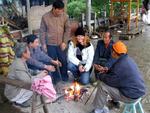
38	58
102	52
125	76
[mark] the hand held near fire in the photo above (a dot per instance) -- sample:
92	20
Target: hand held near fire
81	68
100	68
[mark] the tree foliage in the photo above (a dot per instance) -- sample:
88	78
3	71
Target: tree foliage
75	8
99	6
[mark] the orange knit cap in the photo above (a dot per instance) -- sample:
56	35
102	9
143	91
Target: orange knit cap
119	47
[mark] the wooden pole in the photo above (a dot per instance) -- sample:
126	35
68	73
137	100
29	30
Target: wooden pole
45	109
33	108
111	10
137	13
28	9
65	2
95	21
28	5
129	14
88	15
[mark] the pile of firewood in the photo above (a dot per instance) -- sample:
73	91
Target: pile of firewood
10	15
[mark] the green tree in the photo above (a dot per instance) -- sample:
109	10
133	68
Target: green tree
75	8
99	6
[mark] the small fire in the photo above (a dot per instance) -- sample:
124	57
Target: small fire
73	92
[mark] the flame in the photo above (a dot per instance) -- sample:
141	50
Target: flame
73	91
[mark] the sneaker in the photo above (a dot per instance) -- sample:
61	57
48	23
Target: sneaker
97	111
113	104
103	110
70	75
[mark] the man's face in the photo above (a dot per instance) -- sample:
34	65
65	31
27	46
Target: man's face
26	54
114	55
107	38
58	12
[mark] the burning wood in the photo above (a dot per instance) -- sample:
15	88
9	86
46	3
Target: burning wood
74	92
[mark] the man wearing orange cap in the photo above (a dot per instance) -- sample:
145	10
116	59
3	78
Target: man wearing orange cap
123	82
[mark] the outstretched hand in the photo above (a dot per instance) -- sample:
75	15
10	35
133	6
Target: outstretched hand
100	68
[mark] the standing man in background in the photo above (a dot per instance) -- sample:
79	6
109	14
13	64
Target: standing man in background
55	31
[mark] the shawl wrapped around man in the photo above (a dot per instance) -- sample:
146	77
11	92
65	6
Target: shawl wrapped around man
6	50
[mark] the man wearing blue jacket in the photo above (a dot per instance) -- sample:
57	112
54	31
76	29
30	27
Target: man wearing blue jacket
102	57
123	81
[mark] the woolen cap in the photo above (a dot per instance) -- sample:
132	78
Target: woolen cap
80	31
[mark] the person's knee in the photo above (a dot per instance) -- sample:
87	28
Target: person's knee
84	81
71	66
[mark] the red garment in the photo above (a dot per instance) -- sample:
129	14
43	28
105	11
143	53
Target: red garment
44	86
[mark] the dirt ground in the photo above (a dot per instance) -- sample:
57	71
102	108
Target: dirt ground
138	48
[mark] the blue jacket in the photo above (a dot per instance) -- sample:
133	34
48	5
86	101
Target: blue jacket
103	52
125	76
38	58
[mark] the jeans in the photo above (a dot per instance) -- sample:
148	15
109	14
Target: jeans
84	77
55	53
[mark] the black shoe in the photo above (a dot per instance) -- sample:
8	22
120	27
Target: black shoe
24	105
93	111
113	104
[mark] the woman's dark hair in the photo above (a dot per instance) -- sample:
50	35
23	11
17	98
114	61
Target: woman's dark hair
145	4
58	4
30	38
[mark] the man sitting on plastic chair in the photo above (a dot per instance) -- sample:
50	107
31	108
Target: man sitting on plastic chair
123	82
